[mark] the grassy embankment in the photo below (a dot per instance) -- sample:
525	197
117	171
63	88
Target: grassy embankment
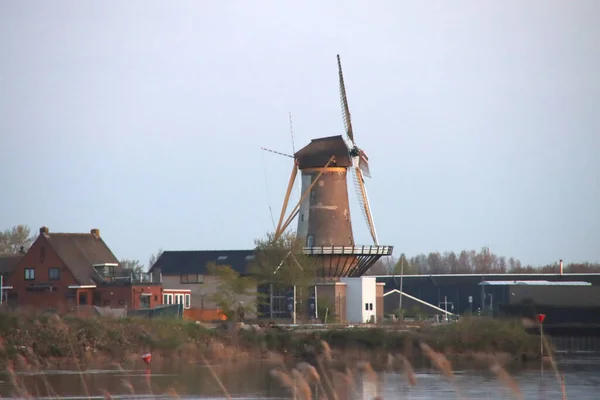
51	341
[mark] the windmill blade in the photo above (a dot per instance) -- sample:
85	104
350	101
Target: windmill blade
363	163
344	101
363	200
277	152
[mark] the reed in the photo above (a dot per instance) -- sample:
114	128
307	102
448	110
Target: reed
508	380
301	380
330	372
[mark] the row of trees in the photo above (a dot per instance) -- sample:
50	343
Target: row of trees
19	237
470	262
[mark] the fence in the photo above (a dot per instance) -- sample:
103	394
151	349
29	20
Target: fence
573	344
88	311
171	310
205	315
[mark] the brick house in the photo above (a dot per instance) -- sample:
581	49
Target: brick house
64	271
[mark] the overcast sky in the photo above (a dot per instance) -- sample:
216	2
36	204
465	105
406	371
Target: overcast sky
145	119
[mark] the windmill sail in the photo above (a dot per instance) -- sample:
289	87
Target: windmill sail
363	200
360	161
363	163
344	101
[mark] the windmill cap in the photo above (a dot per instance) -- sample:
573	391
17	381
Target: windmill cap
318	152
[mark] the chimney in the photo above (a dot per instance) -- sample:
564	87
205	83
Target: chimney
96	233
561	267
44	231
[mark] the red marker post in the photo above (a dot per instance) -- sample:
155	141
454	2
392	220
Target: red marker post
541	318
147	357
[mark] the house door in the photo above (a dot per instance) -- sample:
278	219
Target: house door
144	301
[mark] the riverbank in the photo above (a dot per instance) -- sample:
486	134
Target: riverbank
50	341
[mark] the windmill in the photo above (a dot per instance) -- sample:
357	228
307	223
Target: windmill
324	221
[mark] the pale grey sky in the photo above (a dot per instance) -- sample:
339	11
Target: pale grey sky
145	119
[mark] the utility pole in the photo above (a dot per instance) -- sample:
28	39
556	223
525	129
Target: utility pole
400	315
294	308
271	301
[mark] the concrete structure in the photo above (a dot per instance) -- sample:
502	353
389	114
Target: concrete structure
63	271
361	299
356	300
331	298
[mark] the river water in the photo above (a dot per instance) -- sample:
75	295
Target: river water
581	377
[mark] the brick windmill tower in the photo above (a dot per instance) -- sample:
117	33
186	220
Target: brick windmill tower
323	212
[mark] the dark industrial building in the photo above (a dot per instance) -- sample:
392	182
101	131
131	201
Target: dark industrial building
564	298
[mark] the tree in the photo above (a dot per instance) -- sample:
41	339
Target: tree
451	262
235	294
419	263
282	263
15	238
435	263
131	266
464	264
154	257
403	266
383	266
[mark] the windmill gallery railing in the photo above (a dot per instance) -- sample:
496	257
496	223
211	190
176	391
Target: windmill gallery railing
351	261
347	250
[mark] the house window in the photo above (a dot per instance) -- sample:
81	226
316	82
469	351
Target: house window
192	278
310	241
179	299
370	306
366	306
187	301
83	299
167	298
29	274
54	274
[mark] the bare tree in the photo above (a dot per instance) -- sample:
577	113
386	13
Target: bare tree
131	266
154	257
383	266
15	239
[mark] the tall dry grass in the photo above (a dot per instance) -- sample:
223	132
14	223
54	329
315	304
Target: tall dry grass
330	375
303	381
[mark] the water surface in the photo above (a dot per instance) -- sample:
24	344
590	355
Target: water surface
195	381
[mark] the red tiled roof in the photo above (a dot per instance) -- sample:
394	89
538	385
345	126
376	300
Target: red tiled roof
80	251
